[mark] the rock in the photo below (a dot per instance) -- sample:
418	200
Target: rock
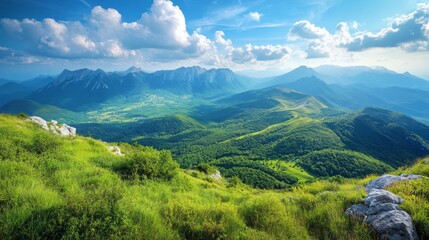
115	150
394	224
383	207
216	175
382	212
379	196
40	121
53	127
357	211
426	161
387	180
72	130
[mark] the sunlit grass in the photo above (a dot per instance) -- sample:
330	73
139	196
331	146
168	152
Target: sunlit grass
71	188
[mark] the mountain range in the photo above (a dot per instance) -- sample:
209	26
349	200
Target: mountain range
346	88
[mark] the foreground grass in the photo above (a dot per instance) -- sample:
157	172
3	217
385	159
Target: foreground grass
62	188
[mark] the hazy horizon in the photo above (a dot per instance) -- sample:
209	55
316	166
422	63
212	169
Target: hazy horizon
257	37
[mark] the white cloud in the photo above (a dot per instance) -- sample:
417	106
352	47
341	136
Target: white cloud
105	34
249	52
318	49
219	39
255	16
306	30
410	31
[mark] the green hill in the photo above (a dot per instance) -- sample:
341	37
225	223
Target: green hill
60	188
48	112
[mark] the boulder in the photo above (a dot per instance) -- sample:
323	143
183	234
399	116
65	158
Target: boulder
357	211
216	175
115	150
383	207
379	196
394	225
52	126
387	180
382	212
40	121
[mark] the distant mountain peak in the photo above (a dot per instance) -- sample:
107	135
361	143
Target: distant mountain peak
133	69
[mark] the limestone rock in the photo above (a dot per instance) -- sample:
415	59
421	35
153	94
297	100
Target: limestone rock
382	212
52	126
216	175
379	196
357	211
40	121
394	224
383	207
115	150
387	180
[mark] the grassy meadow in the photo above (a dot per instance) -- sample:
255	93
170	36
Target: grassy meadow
74	188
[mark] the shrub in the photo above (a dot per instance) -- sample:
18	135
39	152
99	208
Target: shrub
205	168
148	164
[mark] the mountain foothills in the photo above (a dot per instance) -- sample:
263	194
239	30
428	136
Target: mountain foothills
270	133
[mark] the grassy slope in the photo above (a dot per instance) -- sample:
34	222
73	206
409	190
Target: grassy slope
66	188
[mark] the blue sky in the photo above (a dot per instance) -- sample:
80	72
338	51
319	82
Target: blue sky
255	37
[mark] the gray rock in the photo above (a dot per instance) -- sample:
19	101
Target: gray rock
53	127
357	211
216	175
387	180
382	211
72	130
379	196
40	121
394	224
383	207
115	150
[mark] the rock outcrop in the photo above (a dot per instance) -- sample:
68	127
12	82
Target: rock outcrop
381	210
216	175
115	150
54	127
387	180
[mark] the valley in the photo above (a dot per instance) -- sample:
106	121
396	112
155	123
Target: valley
214	120
240	125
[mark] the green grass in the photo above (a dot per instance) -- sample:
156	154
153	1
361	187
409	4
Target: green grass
74	188
290	168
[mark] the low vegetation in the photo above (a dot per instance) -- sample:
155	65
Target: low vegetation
74	188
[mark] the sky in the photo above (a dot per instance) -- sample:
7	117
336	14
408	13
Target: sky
254	37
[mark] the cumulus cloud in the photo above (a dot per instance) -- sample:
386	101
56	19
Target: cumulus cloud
255	16
220	39
410	31
306	30
249	52
105	34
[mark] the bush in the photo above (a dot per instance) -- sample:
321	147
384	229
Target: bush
205	168
147	163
